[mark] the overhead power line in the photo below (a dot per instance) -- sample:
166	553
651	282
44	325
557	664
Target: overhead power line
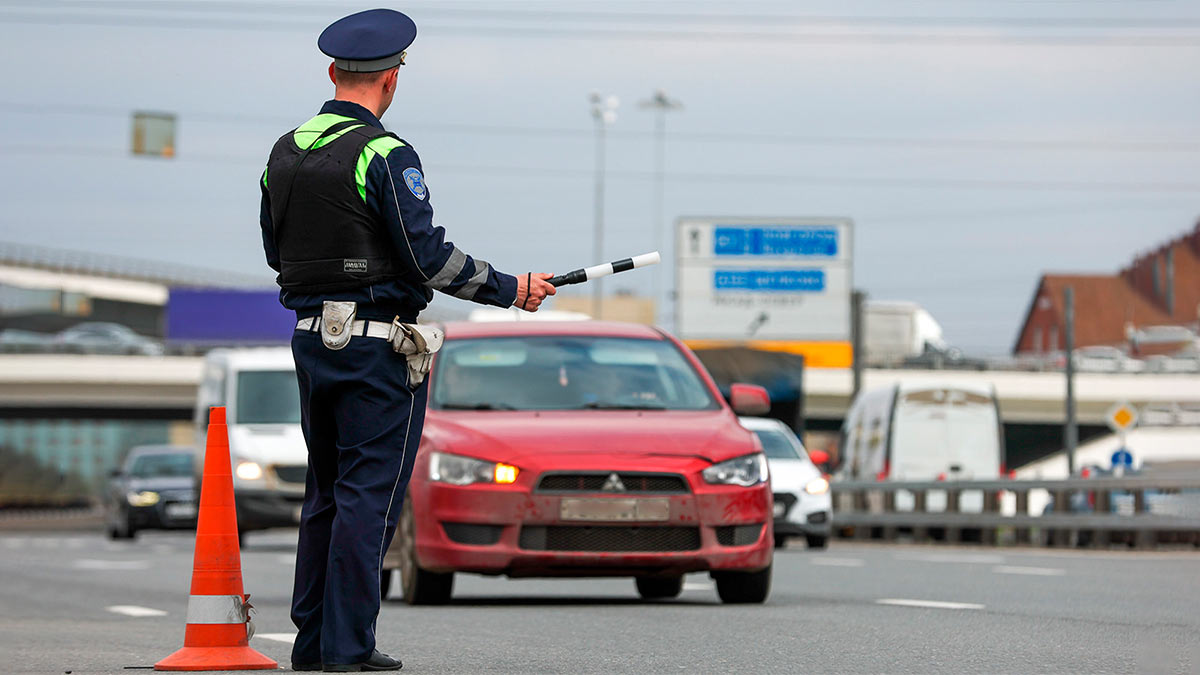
996	144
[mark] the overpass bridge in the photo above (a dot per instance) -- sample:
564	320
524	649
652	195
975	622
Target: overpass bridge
165	387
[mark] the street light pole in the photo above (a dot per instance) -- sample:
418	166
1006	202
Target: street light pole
604	111
661	104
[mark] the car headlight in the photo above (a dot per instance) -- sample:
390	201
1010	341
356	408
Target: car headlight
817	486
144	498
458	470
248	471
745	471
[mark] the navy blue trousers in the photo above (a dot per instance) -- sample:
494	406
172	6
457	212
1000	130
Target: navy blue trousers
362	423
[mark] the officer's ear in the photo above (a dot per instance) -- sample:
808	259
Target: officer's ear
389	82
333	73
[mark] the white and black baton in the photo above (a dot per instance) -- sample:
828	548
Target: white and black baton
597	271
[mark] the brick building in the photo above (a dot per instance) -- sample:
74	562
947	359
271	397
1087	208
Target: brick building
1160	288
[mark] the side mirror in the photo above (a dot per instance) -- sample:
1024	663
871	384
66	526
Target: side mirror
749	399
818	457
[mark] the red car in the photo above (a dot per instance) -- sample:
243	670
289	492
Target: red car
583	449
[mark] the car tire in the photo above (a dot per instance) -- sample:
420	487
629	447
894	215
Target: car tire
817	540
741	588
659	588
781	541
385	583
419	586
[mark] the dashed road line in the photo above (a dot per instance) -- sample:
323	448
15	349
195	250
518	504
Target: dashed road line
277	637
1030	571
837	562
931	604
134	610
956	558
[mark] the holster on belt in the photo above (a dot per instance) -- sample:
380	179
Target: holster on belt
336	319
418	344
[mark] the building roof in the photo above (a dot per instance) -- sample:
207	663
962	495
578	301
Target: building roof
1103	306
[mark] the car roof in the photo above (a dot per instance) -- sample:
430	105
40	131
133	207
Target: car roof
162	450
466	329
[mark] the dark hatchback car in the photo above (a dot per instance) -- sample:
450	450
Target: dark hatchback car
155	489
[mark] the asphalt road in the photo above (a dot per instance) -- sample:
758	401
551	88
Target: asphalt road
75	602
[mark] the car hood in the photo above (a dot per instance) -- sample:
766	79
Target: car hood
711	435
791	475
268	443
163	483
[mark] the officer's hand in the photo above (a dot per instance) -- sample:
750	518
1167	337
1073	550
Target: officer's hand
532	289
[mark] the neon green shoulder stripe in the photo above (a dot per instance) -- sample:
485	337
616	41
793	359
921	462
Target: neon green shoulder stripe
265	177
308	132
381	147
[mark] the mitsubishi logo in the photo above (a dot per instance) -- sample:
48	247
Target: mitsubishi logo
613	484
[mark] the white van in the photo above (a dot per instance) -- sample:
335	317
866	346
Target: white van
928	431
268	455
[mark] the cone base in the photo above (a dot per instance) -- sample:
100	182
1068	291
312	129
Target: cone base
216	658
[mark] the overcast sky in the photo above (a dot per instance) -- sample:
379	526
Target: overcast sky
974	144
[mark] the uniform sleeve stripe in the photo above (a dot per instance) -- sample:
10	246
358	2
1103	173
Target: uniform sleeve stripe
469	289
450	271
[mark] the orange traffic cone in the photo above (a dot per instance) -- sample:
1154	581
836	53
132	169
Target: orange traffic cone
216	637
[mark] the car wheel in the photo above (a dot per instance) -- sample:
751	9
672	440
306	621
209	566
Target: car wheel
817	540
743	587
659	588
780	541
420	587
385	583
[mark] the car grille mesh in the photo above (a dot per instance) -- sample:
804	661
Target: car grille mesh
473	534
738	535
669	483
291	473
609	538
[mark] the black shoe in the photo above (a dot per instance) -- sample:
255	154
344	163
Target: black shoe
376	662
307	666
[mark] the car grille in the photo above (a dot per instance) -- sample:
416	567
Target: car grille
608	538
291	473
661	483
469	533
738	535
787	500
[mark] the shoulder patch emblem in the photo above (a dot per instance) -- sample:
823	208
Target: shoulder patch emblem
415	183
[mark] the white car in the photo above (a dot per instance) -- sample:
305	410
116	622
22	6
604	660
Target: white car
802	503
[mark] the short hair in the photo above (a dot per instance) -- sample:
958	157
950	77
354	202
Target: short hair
354	79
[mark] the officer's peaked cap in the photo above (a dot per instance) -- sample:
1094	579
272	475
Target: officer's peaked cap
368	41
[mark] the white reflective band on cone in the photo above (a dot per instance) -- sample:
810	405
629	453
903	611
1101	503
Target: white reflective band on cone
215	609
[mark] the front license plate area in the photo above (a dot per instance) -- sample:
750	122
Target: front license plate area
181	510
620	510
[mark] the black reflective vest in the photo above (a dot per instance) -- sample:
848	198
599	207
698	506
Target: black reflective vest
327	239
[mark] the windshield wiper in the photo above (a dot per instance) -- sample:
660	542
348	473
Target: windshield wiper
602	405
477	406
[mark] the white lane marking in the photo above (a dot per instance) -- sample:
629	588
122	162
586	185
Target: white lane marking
92	564
278	637
134	610
1031	571
837	562
697	586
286	560
933	604
76	543
15	542
960	558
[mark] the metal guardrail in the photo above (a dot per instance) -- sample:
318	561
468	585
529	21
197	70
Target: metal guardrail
1138	511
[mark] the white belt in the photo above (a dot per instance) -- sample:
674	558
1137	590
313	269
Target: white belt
359	328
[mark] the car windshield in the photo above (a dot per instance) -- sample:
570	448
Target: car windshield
267	397
566	373
776	444
161	466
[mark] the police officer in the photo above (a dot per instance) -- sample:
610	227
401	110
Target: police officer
347	223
